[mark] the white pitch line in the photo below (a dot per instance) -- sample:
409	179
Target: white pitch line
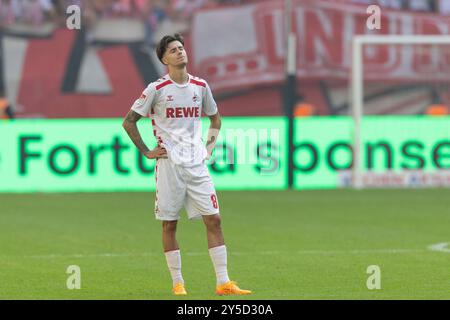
237	253
442	247
362	251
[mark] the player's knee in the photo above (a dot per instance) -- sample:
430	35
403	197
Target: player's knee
169	226
213	222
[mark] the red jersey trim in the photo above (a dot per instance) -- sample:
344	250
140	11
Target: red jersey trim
201	84
165	83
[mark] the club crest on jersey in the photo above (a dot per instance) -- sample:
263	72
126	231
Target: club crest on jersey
195	98
141	99
169	98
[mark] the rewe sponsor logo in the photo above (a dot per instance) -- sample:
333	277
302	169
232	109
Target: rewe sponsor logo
183	112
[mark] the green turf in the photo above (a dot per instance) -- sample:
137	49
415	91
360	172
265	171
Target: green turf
282	245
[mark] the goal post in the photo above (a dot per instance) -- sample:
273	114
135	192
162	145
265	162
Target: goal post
357	85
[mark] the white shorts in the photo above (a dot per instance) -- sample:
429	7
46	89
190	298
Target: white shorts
178	186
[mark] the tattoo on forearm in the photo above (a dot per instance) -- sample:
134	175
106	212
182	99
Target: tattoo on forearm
131	128
133	116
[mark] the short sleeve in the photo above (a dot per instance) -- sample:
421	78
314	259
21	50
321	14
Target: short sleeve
209	105
145	101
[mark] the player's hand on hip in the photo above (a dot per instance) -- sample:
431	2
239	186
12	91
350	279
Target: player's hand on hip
158	152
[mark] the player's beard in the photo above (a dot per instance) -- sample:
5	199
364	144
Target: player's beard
182	64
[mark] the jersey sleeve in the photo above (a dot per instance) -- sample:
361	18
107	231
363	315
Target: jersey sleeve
145	101
209	105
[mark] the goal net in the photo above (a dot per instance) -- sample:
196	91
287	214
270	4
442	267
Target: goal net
400	97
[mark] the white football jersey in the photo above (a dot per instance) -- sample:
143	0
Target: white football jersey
175	111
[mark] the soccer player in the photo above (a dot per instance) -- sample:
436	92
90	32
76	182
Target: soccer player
175	104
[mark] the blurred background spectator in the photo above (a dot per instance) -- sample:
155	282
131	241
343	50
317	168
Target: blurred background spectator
34	12
37	12
6	111
153	12
439	6
443	6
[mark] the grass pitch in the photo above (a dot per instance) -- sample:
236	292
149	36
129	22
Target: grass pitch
281	245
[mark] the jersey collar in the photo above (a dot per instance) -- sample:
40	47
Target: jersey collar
181	85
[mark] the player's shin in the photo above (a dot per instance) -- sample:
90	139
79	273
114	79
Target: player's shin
173	259
219	259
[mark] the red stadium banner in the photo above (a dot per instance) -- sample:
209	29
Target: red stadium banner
243	46
230	46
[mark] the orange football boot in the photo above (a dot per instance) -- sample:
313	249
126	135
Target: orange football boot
179	290
230	288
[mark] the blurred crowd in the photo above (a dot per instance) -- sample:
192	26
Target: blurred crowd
33	12
37	12
437	6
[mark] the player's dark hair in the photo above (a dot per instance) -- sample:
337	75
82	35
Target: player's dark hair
164	43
